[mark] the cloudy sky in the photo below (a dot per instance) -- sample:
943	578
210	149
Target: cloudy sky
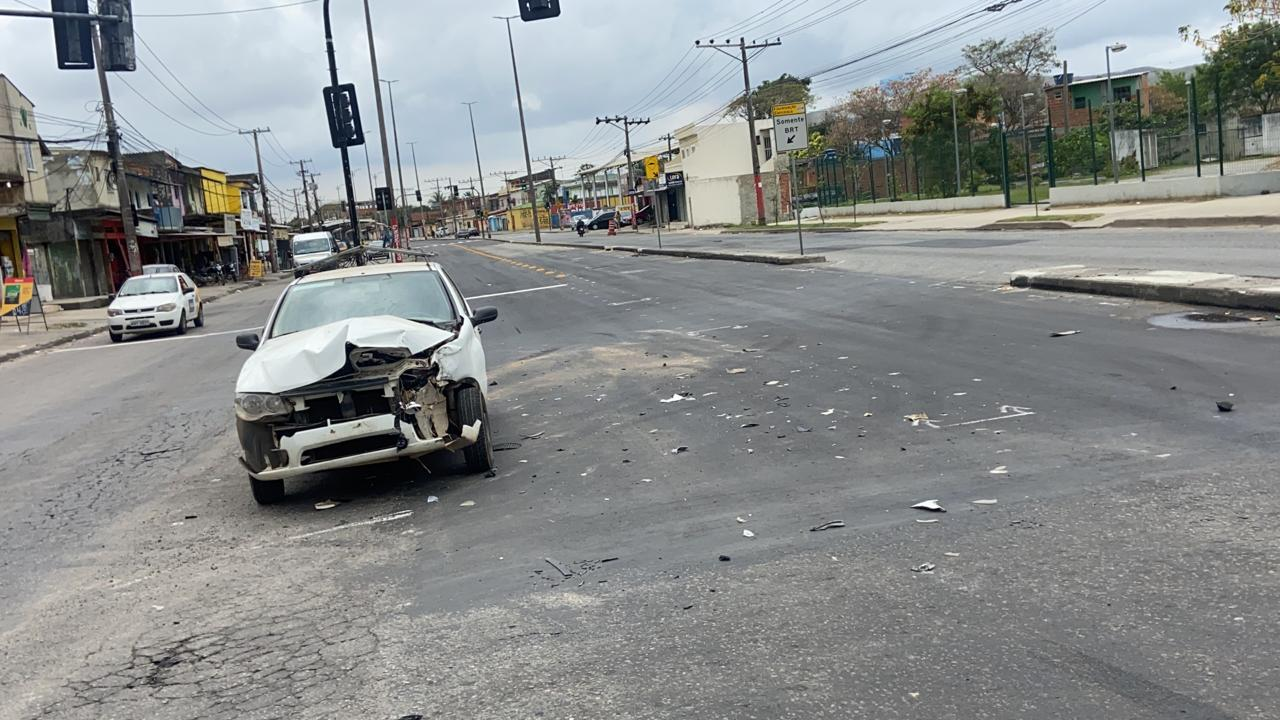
601	57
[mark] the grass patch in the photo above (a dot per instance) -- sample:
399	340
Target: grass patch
1060	217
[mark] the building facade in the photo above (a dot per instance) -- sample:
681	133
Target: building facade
24	193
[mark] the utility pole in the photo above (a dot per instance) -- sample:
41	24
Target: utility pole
743	47
524	133
417	182
296	212
315	195
404	199
484	199
117	160
552	162
1067	104
266	205
625	123
302	173
382	123
670	139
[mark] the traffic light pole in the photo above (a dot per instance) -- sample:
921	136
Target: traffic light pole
117	160
484	202
524	133
353	215
382	123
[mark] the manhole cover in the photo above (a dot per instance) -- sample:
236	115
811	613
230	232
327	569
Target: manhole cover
1193	320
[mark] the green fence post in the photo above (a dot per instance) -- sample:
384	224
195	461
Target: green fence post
1142	152
973	186
1050	161
1093	144
1004	165
915	157
1195	121
871	174
1217	101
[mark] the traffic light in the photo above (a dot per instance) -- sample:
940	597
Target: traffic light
418	193
454	190
73	38
531	10
118	53
382	199
345	129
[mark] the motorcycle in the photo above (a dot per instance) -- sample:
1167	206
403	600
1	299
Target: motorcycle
582	228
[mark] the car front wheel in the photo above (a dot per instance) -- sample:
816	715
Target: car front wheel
471	407
267	492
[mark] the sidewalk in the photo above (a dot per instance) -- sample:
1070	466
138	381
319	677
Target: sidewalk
1260	210
68	326
1239	292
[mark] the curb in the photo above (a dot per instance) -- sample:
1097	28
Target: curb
768	259
81	335
1036	225
1188	295
1242	221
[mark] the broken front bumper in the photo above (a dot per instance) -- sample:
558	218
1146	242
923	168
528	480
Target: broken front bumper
352	443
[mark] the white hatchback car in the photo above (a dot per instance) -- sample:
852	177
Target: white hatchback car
162	302
359	366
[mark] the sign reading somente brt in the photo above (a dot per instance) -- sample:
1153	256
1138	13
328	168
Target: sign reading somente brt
790	127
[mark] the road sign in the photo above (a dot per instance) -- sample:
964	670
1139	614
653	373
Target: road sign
652	167
790	127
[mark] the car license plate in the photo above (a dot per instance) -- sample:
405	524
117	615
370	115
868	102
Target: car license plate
139	323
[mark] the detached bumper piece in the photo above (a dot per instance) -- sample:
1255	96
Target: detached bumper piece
366	441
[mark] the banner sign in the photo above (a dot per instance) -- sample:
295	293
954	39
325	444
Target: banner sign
17	292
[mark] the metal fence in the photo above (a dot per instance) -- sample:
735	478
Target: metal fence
1022	164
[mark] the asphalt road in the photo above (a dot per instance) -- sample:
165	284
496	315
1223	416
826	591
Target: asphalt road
991	256
1127	569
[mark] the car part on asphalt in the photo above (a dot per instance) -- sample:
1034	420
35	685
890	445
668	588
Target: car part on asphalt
930	505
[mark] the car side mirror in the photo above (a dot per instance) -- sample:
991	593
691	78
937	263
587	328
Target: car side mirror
484	315
248	341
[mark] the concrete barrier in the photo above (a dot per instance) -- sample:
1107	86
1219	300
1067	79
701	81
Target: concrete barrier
906	207
1169	189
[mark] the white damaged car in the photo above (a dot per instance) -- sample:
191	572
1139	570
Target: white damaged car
360	366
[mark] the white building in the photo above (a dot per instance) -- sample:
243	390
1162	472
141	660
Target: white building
715	160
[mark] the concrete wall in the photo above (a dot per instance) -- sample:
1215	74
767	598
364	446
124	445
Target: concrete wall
1171	189
977	202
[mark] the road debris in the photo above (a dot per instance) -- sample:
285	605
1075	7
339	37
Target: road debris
833	525
432	499
1226	406
558	567
536	436
678	397
925	568
724	558
681	449
984	502
467	503
741	520
491	474
1000	470
736	371
772	383
930	505
916	419
1064	333
928	522
748	534
326	505
803	429
830	411
866	414
750	425
506	446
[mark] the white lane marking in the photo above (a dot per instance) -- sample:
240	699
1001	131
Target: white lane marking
136	343
375	521
516	292
629	302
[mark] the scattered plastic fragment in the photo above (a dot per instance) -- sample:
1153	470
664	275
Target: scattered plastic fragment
926	568
984	502
771	383
678	450
678	397
536	436
952	554
748	534
928	522
916	419
432	499
1001	470
833	525
326	505
750	425
830	411
724	558
558	567
1226	406
866	414
740	520
930	505
803	429
736	371
1064	333
468	503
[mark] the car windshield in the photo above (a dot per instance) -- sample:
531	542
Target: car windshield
306	246
418	296
148	285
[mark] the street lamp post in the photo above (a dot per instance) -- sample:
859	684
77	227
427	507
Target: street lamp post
1111	110
955	132
382	123
524	133
484	202
395	134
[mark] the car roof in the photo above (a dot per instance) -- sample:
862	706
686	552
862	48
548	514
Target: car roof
159	275
358	271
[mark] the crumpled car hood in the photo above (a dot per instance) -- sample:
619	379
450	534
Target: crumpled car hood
303	358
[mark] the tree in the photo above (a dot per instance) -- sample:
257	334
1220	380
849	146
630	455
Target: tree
1012	68
786	89
1241	12
872	114
1245	61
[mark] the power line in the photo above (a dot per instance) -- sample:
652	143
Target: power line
226	12
155	107
229	125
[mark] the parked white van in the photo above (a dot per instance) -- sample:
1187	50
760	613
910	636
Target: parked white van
313	247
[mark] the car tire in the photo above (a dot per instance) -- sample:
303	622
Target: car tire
115	336
200	317
182	324
267	492
471	407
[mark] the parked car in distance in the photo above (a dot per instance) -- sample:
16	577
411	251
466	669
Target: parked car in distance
163	302
465	233
313	247
360	366
601	221
159	269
